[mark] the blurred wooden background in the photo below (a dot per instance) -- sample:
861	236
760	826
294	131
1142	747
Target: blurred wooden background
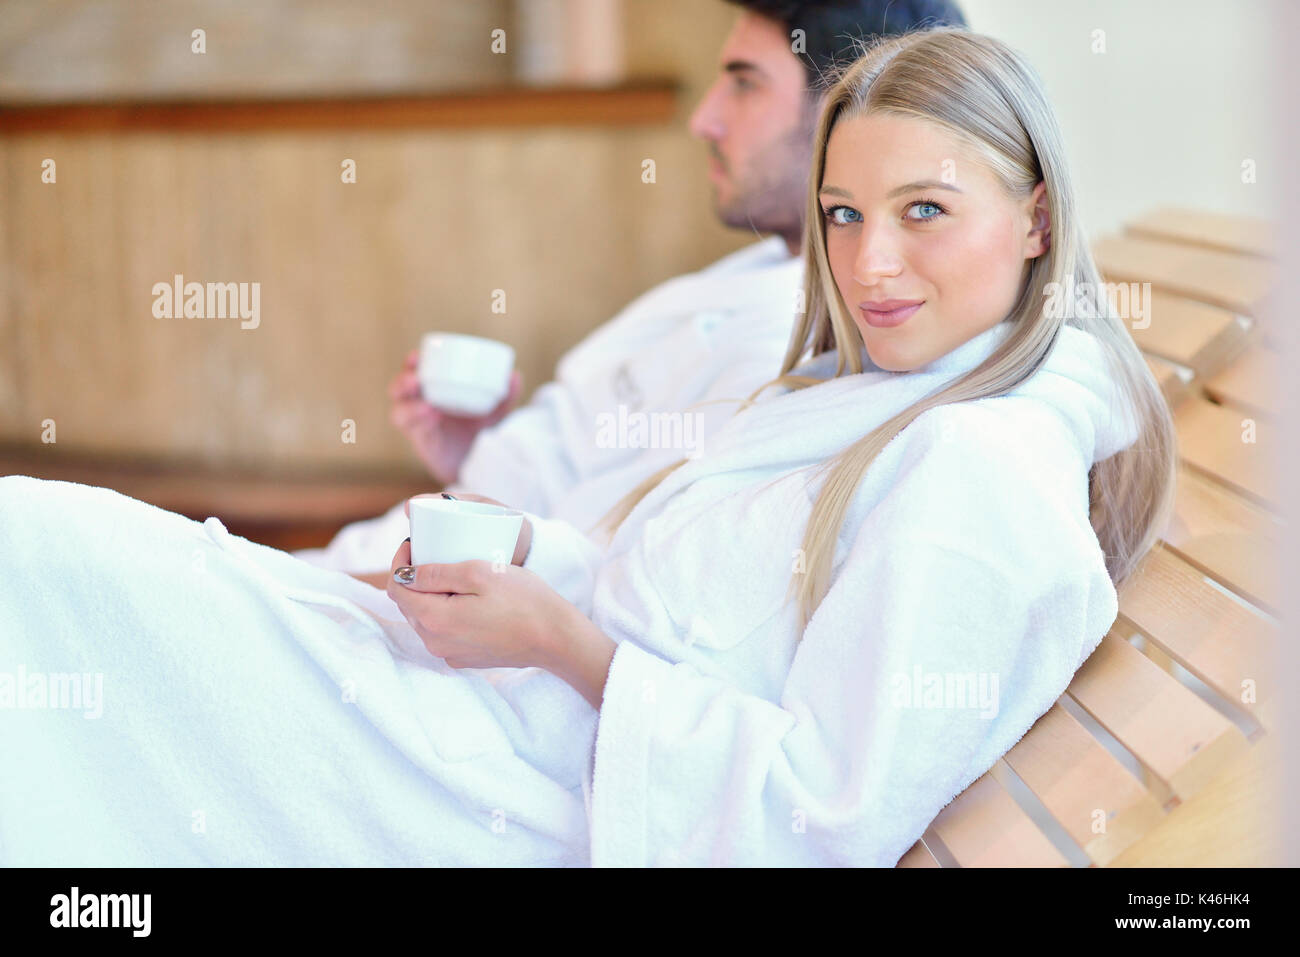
351	275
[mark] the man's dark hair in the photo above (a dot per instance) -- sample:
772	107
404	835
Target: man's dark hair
834	29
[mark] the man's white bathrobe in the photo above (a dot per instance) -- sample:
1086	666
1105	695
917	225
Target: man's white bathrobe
257	709
694	345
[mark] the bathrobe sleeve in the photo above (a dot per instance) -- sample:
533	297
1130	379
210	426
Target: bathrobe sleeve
523	459
968	594
565	559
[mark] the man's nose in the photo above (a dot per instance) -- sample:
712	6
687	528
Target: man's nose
706	122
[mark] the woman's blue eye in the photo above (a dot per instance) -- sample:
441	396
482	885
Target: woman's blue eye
935	211
832	215
847	215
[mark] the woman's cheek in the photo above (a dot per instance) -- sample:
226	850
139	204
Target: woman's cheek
1000	263
975	273
839	256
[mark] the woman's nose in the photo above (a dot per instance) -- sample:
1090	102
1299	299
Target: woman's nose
876	257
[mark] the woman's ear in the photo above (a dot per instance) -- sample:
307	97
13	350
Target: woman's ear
1039	238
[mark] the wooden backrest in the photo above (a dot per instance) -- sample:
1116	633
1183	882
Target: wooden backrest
1160	752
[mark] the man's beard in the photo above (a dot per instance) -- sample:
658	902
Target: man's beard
770	195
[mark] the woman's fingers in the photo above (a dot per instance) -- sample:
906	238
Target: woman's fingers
462	578
403	556
401	572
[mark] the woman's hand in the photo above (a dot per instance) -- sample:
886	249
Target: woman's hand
483	615
478	614
380	580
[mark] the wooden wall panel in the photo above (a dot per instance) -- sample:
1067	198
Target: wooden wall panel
11	391
350	275
131	49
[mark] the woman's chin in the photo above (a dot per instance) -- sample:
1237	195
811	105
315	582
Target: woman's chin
887	352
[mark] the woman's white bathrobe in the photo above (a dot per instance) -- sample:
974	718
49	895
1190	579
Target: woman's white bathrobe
967	556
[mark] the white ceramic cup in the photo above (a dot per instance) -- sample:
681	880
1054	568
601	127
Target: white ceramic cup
464	375
445	531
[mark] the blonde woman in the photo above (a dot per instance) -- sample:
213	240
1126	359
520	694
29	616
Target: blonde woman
797	647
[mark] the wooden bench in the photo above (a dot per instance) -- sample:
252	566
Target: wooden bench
1161	752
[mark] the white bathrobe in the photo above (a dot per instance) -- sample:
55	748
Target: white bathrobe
272	703
707	337
966	561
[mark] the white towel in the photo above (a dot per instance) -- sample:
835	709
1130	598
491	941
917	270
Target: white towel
254	710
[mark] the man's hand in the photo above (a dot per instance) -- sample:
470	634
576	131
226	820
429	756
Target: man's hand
440	439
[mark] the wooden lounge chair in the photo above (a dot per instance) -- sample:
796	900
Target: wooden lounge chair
1161	751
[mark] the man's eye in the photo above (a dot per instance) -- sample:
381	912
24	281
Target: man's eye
842	215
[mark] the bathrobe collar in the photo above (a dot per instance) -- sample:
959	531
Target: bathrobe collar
817	422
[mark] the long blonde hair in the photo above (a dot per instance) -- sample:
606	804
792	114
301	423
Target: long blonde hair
986	94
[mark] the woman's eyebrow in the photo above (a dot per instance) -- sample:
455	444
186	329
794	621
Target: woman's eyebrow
922	184
897	191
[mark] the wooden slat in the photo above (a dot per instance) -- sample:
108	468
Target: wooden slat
1163	724
650	101
1227	538
1077	779
1211	440
1233	281
1217	639
1190	333
1251	382
918	856
1171	384
1221	231
984	827
1203	268
1232	822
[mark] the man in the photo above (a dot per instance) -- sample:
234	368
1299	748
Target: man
626	401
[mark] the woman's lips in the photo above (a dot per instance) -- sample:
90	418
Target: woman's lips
891	312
